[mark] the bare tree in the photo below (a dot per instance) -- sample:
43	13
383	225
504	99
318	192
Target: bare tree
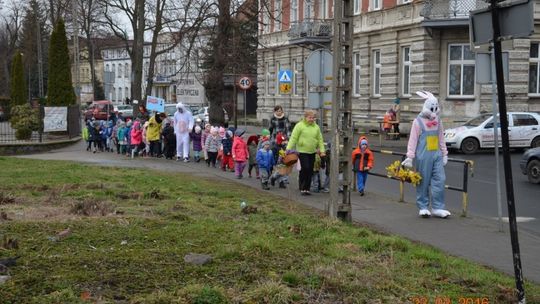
57	9
90	23
232	50
136	14
180	23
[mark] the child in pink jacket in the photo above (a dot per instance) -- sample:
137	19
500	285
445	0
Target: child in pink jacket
240	153
136	139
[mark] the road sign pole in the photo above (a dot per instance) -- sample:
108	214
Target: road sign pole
518	271
496	139
245	108
235	104
321	114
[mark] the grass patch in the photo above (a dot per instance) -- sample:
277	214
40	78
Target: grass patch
130	229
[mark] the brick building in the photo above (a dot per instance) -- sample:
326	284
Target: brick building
399	47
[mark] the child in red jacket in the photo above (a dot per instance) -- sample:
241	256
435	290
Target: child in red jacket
240	153
362	159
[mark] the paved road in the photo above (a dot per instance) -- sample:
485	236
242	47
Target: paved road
482	188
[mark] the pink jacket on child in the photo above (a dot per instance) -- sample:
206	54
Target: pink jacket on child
239	149
136	133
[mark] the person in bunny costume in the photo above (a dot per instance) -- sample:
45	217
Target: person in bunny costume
428	150
183	124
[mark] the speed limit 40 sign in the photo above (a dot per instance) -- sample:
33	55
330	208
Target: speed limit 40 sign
245	83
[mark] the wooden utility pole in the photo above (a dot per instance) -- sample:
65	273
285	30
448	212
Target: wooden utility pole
341	122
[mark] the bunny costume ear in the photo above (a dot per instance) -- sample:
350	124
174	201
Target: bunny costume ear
426	95
422	94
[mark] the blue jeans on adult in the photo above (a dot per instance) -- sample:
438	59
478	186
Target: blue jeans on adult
361	178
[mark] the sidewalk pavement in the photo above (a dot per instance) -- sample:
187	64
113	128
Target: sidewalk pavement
473	238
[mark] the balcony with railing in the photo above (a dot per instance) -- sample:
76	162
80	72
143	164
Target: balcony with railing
310	31
448	13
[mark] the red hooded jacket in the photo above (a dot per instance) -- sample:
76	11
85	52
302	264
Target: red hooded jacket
362	160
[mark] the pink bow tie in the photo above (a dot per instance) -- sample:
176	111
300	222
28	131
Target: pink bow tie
431	123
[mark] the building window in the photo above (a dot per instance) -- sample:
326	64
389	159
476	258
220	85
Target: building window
460	71
356	74
294	10
107	68
126	71
375	5
114	69
119	75
406	71
126	92
376	73
113	97
356	7
277	15
534	66
294	77
276	76
323	9
267	79
308	9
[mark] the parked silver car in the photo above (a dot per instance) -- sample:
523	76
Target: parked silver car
204	116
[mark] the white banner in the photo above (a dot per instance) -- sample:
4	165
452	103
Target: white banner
55	119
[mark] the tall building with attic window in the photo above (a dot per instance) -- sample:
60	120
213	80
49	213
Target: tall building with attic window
399	47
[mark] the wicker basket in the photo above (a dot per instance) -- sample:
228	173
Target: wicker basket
284	170
290	159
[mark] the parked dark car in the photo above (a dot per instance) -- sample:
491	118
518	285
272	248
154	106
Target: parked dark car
530	165
100	110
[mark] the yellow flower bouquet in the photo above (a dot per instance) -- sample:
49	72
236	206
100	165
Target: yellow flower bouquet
404	174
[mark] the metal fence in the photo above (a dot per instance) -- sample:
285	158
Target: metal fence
464	188
450	9
7	132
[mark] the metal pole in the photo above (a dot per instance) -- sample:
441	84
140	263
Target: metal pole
245	109
496	139
320	89
235	100
40	59
518	271
465	189
75	13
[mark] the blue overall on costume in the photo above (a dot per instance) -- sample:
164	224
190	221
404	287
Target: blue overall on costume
429	164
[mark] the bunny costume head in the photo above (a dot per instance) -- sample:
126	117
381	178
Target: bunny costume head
431	107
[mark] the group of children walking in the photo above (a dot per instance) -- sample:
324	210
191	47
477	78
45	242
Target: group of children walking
228	147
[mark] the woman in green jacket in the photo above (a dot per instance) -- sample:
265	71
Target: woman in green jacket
307	139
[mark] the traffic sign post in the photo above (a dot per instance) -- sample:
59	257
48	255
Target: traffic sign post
285	82
245	84
513	19
319	67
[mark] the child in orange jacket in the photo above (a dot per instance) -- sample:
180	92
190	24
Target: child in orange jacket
362	159
387	125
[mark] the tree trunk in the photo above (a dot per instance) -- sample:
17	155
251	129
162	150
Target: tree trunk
138	54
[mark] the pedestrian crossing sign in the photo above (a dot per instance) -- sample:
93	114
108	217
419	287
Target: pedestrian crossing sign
285	76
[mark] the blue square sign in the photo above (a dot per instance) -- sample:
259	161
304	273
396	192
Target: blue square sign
285	76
